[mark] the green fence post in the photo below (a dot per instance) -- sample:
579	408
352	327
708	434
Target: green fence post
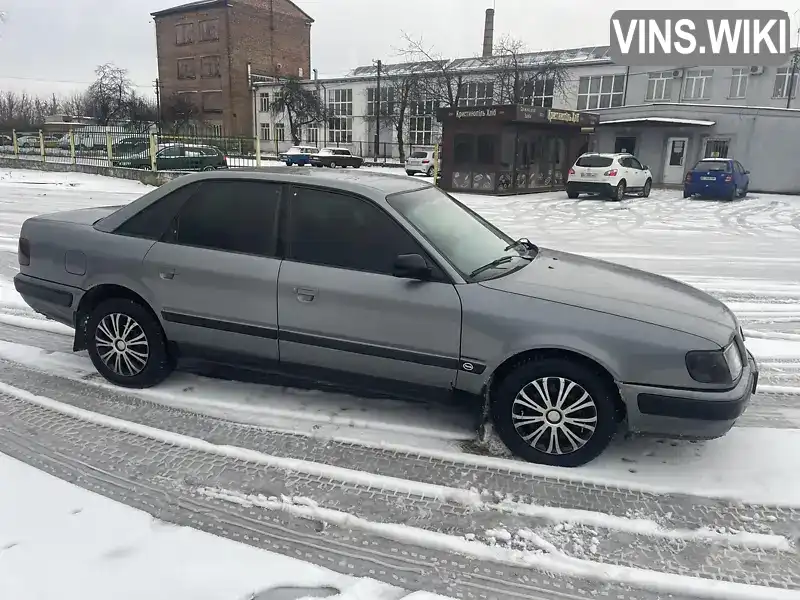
109	150
258	151
72	147
16	145
153	147
41	146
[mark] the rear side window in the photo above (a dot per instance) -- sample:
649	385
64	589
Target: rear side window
713	165
153	221
594	161
419	154
231	216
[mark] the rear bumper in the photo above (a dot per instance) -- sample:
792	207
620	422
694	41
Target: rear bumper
711	189
591	187
53	300
688	413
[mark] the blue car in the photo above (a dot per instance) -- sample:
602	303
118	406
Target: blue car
717	178
298	155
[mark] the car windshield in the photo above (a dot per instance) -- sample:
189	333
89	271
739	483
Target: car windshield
461	236
419	154
713	165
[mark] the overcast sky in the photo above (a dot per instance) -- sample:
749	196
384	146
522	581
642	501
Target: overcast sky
54	45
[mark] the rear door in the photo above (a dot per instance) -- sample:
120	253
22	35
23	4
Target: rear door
340	306
214	274
170	158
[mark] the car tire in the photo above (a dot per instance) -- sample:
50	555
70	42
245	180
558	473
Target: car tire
510	411
734	194
410	173
648	186
572	194
332	164
108	323
619	192
209	168
686	194
357	166
744	192
429	172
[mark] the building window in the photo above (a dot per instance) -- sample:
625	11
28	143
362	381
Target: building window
785	82
602	91
212	101
716	148
387	101
312	135
209	30
209	66
263	102
477	94
184	33
739	79
186	68
659	87
539	92
265	132
421	122
340	123
280	132
215	129
698	84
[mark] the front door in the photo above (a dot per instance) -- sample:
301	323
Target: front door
341	309
676	157
215	274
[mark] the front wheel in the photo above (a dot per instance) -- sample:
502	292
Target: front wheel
332	165
357	166
572	194
648	186
127	344
555	411
209	168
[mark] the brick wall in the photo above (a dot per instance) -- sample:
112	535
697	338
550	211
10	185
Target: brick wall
277	43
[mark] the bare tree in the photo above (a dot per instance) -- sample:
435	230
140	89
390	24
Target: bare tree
402	91
109	96
301	105
76	105
180	113
142	111
438	78
518	75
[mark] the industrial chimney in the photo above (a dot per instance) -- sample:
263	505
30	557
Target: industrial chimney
488	33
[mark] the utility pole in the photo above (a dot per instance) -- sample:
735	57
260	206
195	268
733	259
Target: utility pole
792	84
378	114
158	105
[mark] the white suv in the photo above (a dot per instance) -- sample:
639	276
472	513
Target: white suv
610	175
420	161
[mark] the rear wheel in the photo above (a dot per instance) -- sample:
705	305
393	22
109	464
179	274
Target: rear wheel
572	194
648	185
734	194
209	168
332	164
619	192
127	344
555	411
686	194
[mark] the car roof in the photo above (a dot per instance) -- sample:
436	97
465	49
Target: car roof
717	159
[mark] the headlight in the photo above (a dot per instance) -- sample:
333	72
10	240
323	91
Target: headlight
715	366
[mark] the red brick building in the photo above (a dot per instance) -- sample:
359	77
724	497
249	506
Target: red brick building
205	47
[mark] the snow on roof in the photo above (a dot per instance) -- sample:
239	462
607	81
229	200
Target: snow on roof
660	120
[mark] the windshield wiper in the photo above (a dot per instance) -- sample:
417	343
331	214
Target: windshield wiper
525	243
495	263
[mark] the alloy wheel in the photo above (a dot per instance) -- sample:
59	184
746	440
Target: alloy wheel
122	344
554	415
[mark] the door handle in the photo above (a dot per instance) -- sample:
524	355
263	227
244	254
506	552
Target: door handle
167	274
305	294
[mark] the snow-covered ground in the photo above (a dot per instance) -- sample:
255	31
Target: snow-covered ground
746	253
92	548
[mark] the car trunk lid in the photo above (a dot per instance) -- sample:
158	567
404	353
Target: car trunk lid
80	216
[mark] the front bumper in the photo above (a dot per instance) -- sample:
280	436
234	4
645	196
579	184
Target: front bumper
688	414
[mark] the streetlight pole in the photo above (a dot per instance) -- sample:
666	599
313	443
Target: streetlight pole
378	113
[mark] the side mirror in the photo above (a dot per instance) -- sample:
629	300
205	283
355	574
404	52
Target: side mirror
747	172
645	168
411	266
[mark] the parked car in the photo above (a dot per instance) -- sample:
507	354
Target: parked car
178	157
129	146
717	178
6	140
336	157
387	281
420	161
299	155
609	175
28	141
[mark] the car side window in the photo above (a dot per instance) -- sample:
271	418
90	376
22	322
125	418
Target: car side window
634	163
231	216
625	162
171	152
341	231
153	221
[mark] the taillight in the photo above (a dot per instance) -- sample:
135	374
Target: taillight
24	252
572	171
425	162
611	173
225	159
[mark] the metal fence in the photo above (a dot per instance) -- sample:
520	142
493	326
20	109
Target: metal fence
120	147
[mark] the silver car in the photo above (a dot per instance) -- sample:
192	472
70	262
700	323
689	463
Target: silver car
386	283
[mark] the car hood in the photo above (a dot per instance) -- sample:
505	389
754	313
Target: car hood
81	216
622	291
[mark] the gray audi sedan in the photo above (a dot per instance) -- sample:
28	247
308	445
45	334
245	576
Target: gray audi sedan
386	283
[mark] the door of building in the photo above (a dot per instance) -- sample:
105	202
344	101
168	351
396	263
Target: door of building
674	164
625	144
